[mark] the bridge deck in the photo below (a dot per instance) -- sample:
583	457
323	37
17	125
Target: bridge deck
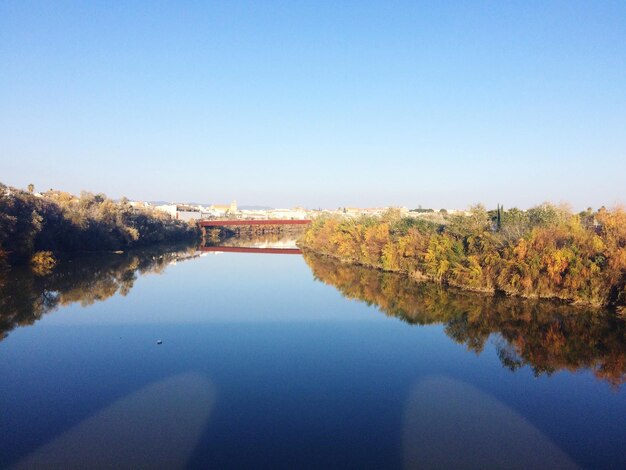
223	223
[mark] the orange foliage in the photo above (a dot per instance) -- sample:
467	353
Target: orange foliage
543	252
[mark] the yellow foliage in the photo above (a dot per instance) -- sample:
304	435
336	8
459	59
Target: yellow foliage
547	252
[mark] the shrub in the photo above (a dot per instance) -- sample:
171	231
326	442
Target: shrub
63	223
545	251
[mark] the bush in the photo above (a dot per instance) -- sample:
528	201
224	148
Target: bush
63	223
543	252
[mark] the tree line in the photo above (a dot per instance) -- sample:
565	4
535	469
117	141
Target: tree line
543	252
56	222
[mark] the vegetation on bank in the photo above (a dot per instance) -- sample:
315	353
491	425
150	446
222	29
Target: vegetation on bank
36	227
545	252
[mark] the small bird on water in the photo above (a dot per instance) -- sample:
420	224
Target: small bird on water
159	341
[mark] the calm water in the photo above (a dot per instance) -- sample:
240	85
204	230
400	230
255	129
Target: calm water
290	361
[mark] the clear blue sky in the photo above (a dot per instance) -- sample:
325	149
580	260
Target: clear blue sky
321	103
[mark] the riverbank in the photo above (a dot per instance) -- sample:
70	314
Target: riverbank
545	252
38	228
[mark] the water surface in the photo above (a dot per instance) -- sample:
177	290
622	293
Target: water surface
290	361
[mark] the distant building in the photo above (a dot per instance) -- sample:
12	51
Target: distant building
168	209
287	214
139	204
180	211
253	214
187	213
220	210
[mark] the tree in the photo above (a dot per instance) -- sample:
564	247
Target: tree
499	219
546	251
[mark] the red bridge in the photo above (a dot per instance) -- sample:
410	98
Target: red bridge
226	223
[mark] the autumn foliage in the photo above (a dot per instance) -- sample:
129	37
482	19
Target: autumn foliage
58	222
544	252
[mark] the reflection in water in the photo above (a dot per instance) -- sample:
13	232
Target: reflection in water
282	240
25	297
282	243
452	424
256	250
290	393
544	335
155	427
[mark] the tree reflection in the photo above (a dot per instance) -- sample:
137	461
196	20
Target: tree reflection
26	297
546	336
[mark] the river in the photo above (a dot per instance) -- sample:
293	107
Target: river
179	358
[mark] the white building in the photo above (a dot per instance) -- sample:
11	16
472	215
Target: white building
287	214
168	209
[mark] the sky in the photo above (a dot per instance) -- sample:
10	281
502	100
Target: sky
317	104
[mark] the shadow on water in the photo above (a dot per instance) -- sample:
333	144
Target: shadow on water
543	335
26	297
157	426
452	424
